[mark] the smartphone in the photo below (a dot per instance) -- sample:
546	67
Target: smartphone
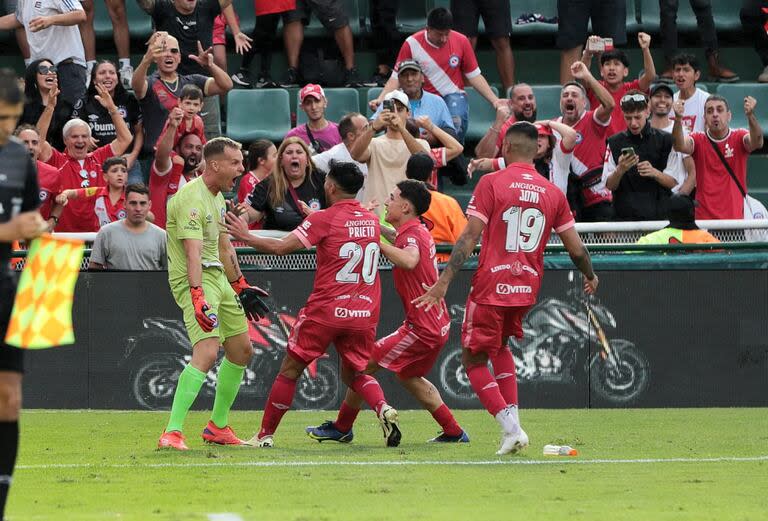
629	151
388	104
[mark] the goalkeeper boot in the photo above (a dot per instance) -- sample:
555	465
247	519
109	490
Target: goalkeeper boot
512	442
444	438
223	436
328	432
388	420
172	440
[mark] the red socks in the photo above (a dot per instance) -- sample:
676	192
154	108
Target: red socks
347	416
444	417
278	403
504	369
486	389
366	386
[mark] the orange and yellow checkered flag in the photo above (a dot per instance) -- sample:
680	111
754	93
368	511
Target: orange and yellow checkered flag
42	311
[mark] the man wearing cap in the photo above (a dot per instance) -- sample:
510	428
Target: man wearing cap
410	77
447	60
319	133
661	106
682	225
387	155
640	165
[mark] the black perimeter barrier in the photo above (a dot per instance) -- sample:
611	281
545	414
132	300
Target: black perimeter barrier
684	330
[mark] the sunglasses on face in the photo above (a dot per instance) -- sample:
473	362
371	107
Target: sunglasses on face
173	51
46	69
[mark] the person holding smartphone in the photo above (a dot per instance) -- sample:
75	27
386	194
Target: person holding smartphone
641	167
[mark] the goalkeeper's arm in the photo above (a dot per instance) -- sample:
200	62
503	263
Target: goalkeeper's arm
250	296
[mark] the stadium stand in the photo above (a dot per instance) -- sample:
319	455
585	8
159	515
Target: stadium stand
481	114
245	124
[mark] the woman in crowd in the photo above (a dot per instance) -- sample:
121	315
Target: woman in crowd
291	192
39	80
105	73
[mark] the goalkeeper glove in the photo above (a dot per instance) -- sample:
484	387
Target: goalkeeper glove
254	307
206	320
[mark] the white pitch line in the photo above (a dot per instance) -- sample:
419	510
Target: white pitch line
224	517
555	461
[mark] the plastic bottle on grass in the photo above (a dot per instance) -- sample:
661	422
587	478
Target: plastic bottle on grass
560	450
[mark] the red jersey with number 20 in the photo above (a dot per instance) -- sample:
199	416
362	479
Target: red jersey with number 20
347	290
520	209
432	326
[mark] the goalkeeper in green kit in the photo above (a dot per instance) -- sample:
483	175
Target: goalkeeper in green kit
210	289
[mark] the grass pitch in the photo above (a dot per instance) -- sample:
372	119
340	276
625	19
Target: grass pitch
691	464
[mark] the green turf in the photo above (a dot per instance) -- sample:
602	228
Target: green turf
108	469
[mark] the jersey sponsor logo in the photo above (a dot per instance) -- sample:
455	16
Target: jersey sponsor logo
530	270
194	213
351	313
728	150
93	117
445	329
365	298
305	225
208	219
453	61
343	297
508	289
516	268
527	177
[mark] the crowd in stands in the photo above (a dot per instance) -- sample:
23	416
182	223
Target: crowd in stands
114	143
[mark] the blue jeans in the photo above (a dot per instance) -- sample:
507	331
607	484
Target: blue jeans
458	106
135	175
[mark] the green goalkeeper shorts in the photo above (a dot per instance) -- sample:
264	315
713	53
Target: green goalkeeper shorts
223	301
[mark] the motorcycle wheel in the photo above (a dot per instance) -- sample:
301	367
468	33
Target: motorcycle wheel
625	384
320	392
153	382
454	382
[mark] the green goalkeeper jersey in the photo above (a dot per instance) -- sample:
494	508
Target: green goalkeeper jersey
193	213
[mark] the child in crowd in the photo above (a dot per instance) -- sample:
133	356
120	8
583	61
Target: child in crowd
262	156
614	69
191	103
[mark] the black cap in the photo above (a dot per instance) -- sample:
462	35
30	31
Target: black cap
656	87
408	64
681	212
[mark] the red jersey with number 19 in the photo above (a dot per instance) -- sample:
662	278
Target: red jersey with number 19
347	290
520	209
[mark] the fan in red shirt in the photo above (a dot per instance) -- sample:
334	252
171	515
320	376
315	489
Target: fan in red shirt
80	168
411	351
515	210
110	200
720	193
174	164
344	305
47	176
522	104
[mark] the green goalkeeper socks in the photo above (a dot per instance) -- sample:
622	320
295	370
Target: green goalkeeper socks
190	382
227	386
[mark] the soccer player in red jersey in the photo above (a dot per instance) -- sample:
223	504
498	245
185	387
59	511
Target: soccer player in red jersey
515	210
344	305
411	351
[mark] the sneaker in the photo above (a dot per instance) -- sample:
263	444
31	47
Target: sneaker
263	442
291	79
328	432
352	79
511	443
241	79
224	436
172	440
763	78
265	82
388	421
444	438
126	73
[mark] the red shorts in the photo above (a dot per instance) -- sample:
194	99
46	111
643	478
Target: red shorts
219	30
309	340
406	354
486	328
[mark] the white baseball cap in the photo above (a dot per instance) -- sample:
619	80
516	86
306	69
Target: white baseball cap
400	96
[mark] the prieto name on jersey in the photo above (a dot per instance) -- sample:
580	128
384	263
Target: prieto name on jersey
361	229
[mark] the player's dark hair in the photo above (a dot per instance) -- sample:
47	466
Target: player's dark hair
137	188
216	146
419	167
258	150
347	176
686	59
10	91
440	18
347	124
192	92
25	126
416	193
112	161
523	137
615	54
717	97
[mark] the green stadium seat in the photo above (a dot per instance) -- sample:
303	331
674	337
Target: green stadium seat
547	8
412	16
340	102
634	16
246	14
316	30
258	114
547	101
481	114
735	94
726	16
139	22
373	93
651	19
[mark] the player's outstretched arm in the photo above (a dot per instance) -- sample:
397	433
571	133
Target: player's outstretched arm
580	257
406	258
239	230
463	248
